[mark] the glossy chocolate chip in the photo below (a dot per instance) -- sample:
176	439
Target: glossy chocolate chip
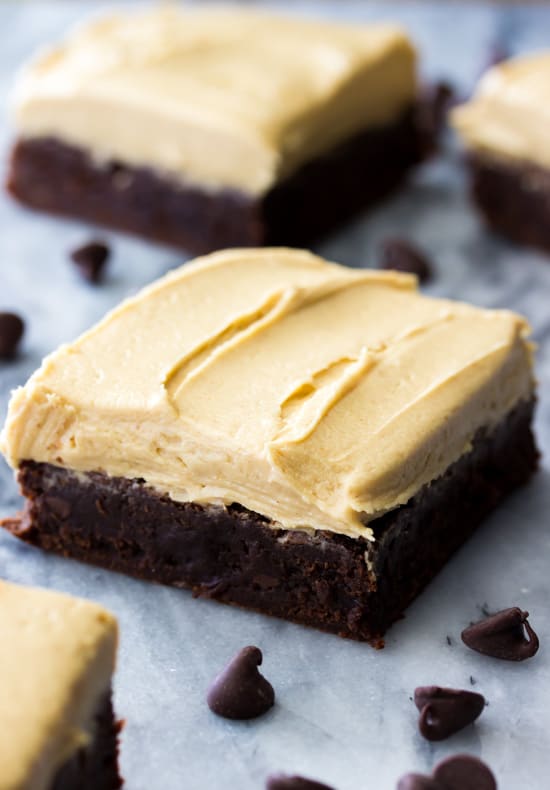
11	332
240	691
434	101
444	711
90	260
402	256
460	772
283	782
506	635
463	772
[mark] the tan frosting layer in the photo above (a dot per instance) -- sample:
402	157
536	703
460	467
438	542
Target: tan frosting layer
509	115
57	655
314	394
227	98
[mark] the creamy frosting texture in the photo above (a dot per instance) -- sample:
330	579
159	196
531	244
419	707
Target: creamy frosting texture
314	394
509	115
57	655
223	97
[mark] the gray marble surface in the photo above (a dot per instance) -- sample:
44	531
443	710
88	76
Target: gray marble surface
343	712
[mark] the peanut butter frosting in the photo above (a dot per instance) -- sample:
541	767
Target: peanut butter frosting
509	115
224	97
57	655
316	395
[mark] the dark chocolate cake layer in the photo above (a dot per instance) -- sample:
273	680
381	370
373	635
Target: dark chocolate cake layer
514	199
95	767
49	175
352	587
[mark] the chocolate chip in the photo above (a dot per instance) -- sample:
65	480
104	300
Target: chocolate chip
503	636
434	100
460	772
11	332
444	711
90	260
282	782
463	771
240	691
402	256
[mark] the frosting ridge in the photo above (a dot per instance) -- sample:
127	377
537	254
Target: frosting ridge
316	395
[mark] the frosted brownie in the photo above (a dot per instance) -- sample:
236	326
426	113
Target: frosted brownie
57	657
505	129
215	128
272	430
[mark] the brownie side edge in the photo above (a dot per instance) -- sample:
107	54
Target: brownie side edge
50	175
94	767
514	199
351	587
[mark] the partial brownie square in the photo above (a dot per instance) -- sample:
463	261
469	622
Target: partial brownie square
278	432
57	658
504	128
206	129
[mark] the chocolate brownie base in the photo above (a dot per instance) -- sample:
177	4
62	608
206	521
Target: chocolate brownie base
49	175
352	587
96	767
514	199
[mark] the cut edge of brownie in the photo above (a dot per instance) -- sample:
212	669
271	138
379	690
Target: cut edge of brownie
513	197
94	767
53	176
352	587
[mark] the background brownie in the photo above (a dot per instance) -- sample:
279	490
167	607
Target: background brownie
505	131
219	128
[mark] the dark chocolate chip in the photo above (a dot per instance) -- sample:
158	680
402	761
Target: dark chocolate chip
463	772
90	260
402	256
240	691
434	100
11	332
282	782
444	711
503	636
460	772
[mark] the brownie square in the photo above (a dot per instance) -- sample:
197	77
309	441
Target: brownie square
278	432
505	131
211	129
57	657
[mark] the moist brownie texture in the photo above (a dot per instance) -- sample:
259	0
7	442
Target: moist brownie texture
505	130
278	432
218	128
57	657
514	199
353	587
94	767
53	176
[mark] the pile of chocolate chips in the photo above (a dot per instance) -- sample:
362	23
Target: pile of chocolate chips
240	691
